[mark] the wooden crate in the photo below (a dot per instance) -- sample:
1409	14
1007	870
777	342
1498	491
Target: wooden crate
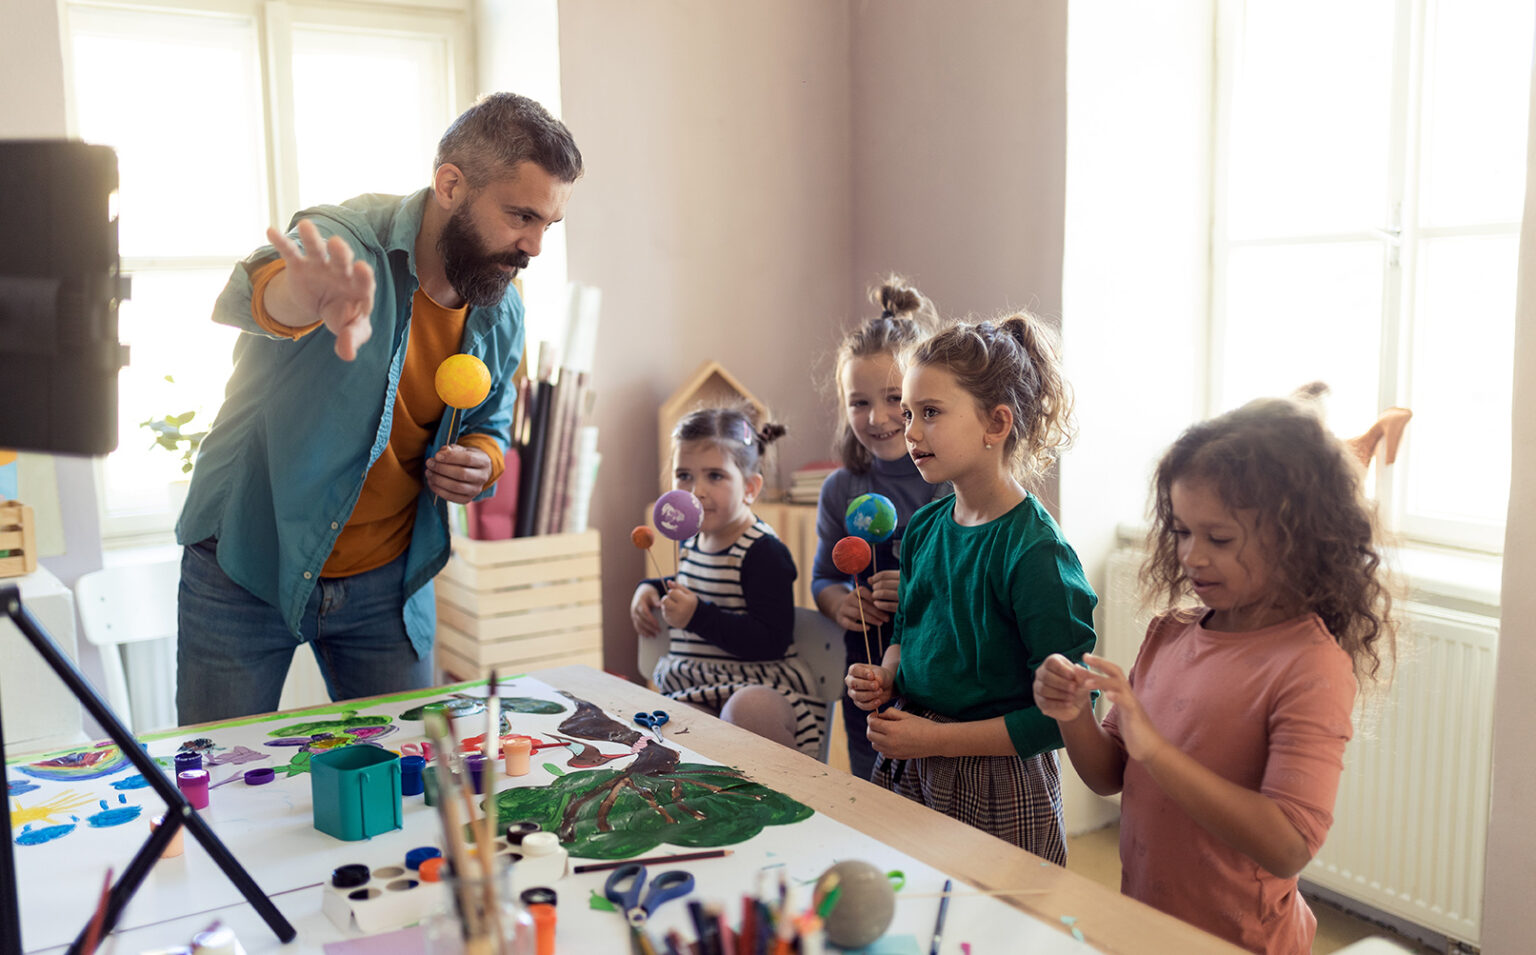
18	544
520	604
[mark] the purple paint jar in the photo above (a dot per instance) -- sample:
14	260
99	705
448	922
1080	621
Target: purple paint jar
475	763
193	784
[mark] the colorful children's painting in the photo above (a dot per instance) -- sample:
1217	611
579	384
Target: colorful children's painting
607	789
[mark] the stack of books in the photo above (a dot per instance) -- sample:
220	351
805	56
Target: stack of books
805	482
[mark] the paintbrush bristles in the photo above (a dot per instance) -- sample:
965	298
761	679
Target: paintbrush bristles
438	727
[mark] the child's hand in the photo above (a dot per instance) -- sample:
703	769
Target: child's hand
897	734
869	685
848	611
1060	692
678	605
642	611
1141	738
886	586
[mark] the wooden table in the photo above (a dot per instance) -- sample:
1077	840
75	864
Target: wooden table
1119	924
1110	922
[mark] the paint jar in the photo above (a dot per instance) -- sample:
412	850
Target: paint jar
462	924
177	845
515	752
187	761
410	775
429	785
194	786
474	765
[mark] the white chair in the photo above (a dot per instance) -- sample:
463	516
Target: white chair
131	604
819	642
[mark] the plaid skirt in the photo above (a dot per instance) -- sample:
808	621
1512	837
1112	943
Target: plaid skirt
1017	800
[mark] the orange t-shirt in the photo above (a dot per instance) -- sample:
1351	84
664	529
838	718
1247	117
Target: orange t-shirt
379	529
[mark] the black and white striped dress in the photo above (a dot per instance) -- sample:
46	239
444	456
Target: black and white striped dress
746	612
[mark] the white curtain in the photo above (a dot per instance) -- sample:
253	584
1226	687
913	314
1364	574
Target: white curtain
1511	867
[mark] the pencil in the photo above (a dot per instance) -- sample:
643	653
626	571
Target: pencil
652	860
938	925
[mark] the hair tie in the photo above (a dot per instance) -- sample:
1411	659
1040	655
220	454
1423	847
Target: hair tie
887	314
746	434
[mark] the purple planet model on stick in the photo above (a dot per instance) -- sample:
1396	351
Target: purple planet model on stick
677	515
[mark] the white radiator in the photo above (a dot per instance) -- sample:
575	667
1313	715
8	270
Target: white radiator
1410	823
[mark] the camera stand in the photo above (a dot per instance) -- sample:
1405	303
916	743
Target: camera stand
178	812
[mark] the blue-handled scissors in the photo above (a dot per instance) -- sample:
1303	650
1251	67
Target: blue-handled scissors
664	888
653	721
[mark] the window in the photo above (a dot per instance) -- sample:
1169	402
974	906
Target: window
1370	165
227	116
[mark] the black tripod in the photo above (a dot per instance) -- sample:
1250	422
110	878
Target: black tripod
178	812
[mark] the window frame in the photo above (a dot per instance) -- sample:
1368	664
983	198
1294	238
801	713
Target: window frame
1399	238
274	21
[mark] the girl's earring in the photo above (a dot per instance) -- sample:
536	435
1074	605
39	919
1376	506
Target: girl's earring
987	445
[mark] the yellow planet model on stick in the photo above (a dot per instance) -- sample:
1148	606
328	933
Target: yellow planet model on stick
462	381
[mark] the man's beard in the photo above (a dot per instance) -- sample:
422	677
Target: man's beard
472	271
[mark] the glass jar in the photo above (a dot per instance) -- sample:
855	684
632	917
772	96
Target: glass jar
461	925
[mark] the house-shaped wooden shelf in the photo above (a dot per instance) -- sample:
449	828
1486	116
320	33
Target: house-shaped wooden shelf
711	384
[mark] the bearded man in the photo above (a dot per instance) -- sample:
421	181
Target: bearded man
317	512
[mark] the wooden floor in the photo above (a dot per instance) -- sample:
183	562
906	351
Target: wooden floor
1096	855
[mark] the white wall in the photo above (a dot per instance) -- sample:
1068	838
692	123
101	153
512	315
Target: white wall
1510	871
714	216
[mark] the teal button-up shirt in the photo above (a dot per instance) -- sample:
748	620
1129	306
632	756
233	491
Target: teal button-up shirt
283	465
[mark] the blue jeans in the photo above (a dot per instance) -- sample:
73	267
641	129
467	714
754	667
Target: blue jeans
861	755
233	649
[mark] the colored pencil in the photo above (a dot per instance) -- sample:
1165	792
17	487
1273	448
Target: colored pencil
652	860
938	925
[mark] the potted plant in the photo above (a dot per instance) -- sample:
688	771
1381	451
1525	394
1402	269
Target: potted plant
171	434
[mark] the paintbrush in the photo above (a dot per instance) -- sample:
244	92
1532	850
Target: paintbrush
488	775
437	727
93	932
492	927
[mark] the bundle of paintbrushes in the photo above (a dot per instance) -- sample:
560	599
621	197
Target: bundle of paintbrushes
475	878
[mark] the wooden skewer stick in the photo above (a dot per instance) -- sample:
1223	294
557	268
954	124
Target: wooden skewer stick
869	656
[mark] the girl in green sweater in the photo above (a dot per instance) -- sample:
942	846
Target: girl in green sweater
990	589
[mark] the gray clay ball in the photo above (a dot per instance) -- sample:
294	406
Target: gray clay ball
864	907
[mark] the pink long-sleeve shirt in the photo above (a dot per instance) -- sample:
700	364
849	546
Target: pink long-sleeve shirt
1266	709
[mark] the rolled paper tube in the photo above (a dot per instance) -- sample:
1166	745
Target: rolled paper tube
518	831
475	763
515	753
410	775
429	785
259	776
186	762
194	786
176	846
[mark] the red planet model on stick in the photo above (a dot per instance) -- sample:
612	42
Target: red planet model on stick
851	555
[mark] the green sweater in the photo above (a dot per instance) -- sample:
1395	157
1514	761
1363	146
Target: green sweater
981	608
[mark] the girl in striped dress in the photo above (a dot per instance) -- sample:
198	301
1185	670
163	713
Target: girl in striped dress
730	609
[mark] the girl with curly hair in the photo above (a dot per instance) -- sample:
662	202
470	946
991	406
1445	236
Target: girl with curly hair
1227	736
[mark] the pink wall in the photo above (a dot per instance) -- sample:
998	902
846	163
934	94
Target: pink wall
715	217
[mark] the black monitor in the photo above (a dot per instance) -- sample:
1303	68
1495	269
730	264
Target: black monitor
60	284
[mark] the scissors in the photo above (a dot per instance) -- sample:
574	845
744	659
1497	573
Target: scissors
664	888
653	722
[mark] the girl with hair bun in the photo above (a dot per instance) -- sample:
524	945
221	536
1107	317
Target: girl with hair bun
730	608
869	445
990	589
